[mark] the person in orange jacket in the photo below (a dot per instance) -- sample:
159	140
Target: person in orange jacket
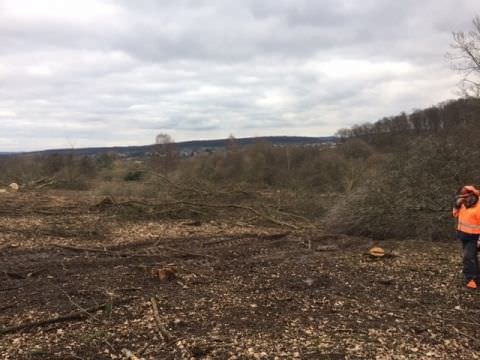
467	211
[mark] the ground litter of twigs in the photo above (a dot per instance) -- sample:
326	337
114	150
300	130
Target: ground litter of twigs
72	287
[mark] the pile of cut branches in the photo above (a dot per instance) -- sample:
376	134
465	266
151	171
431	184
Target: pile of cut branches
205	202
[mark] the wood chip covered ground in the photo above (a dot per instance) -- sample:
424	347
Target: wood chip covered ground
78	283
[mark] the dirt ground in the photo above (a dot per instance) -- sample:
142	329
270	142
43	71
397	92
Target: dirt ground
239	292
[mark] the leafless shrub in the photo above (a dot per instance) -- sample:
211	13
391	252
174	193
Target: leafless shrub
315	169
411	196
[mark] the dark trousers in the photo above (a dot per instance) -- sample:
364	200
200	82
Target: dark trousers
470	260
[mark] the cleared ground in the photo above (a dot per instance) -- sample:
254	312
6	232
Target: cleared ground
240	292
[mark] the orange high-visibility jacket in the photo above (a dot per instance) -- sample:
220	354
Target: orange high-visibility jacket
468	219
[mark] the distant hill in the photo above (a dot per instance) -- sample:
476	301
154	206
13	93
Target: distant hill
186	146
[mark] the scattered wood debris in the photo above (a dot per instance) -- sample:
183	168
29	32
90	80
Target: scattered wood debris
164	275
239	291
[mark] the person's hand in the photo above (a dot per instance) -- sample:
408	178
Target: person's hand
458	202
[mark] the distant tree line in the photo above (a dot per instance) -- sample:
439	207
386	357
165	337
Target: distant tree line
446	118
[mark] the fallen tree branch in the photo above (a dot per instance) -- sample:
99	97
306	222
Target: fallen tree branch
6	307
276	236
12	288
81	309
183	253
167	207
161	328
258	213
242	207
23	276
123	254
300	217
14	275
74	248
41	183
78	315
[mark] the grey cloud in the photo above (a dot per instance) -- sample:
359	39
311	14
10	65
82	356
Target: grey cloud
199	69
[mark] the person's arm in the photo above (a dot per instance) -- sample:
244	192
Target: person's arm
457	205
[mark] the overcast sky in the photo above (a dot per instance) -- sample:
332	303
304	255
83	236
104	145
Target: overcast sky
76	73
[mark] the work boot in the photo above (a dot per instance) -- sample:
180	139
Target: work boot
472	284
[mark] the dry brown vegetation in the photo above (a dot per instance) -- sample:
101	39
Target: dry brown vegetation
257	252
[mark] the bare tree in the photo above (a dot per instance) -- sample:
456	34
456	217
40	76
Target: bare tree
162	139
465	58
231	145
165	154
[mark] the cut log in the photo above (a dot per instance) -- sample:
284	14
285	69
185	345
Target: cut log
78	315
